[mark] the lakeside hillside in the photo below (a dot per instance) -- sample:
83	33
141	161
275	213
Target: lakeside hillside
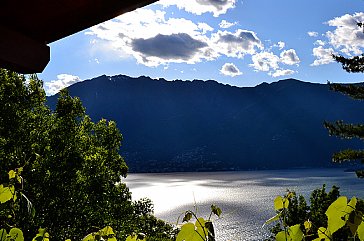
203	125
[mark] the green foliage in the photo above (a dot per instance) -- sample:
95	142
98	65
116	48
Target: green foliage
340	220
200	230
70	165
293	210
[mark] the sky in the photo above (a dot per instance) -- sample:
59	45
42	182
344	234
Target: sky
236	42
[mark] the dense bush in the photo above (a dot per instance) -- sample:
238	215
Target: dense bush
328	217
71	166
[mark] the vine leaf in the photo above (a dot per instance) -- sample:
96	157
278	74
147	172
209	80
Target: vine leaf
360	231
281	236
353	219
272	219
308	225
187	233
187	216
324	235
16	235
280	203
12	174
42	235
193	232
216	210
335	214
3	234
7	193
200	227
293	233
106	231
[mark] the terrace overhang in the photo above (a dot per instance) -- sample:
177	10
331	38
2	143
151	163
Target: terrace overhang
27	27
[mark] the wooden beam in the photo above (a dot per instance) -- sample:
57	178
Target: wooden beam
22	53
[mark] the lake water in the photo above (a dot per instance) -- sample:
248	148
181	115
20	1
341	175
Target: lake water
246	197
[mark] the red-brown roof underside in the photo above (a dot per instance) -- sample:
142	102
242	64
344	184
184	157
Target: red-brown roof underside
26	27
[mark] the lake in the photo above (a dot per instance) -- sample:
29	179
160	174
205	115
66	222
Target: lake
245	197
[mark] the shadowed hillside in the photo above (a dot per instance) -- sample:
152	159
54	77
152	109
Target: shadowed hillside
204	125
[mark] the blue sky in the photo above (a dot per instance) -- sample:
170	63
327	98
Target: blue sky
240	43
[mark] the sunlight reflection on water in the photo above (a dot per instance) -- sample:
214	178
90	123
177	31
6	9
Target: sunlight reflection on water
246	198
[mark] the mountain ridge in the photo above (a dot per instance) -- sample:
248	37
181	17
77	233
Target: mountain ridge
206	126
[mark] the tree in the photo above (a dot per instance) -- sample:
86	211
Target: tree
298	213
340	128
71	166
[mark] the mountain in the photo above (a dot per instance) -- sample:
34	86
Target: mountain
204	125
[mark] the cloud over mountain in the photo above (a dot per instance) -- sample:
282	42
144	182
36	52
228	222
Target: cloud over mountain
152	39
179	47
289	57
230	69
198	7
323	55
238	43
269	62
62	81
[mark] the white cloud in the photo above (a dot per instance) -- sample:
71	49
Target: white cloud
265	61
289	57
205	27
269	62
312	34
319	42
226	24
347	37
153	40
176	48
236	44
216	7
282	72
281	45
230	69
62	81
323	56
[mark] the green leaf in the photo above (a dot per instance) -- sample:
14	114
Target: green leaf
216	210
200	227
324	234
360	231
295	233
16	235
354	220
350	207
282	236
89	237
290	195
211	232
187	233
335	214
106	231
272	219
280	203
12	174
308	225
131	238
3	234
187	216
6	193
